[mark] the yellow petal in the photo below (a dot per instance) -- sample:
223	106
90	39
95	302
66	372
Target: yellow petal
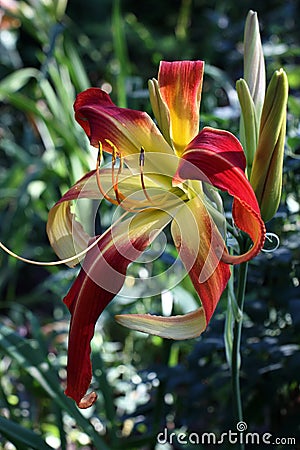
180	85
180	327
67	237
201	248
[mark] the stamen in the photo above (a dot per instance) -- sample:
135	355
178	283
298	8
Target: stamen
115	180
125	203
142	163
99	159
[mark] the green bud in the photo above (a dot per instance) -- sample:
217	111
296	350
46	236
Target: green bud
249	124
251	89
160	110
254	63
266	175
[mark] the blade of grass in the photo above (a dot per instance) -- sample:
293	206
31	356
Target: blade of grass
21	437
72	60
16	81
119	42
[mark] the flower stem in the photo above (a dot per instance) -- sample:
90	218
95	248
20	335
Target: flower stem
235	360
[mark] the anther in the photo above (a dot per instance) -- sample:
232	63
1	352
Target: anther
100	154
142	157
120	199
142	163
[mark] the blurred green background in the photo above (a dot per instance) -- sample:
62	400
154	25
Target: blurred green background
50	51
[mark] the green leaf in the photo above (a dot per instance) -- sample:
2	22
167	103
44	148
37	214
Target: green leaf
14	82
28	355
21	437
75	66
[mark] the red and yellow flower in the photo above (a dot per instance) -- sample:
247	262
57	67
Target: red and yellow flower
159	175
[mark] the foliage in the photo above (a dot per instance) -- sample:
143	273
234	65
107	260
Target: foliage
50	50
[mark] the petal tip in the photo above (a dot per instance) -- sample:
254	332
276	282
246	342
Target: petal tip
88	400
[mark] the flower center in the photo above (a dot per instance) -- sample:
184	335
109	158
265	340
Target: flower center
121	199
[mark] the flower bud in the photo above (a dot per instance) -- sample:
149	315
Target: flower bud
266	175
159	109
249	125
251	89
254	63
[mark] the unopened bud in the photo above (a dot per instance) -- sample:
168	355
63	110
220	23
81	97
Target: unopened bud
249	125
266	175
251	88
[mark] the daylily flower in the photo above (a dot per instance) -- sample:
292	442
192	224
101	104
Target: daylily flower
147	180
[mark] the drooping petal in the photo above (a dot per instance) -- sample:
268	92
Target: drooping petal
180	86
100	279
217	157
127	129
186	326
200	247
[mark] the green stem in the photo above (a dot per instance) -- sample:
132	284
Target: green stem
235	360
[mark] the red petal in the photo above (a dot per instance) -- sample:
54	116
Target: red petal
217	157
180	85
127	129
100	279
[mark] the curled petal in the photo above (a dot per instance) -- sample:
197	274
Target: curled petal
100	279
187	326
180	86
201	251
127	129
215	157
67	237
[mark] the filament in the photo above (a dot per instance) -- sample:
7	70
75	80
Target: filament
99	159
115	180
60	261
120	199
